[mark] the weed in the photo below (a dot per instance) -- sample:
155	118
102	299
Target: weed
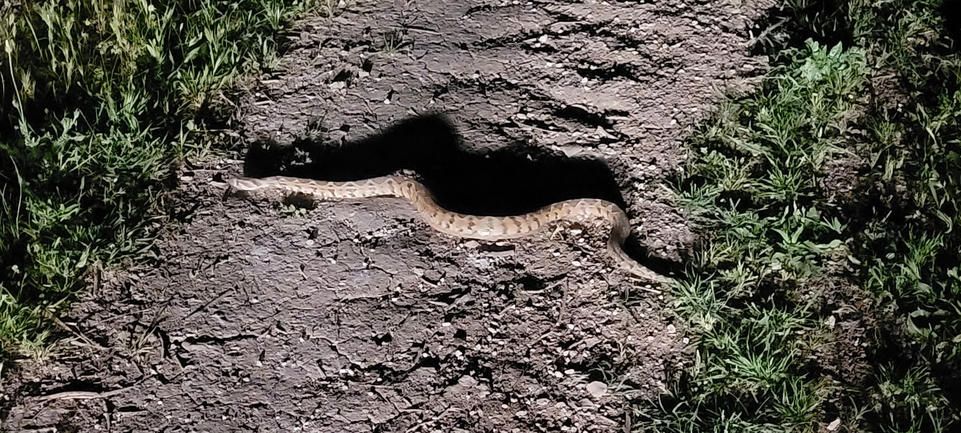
394	41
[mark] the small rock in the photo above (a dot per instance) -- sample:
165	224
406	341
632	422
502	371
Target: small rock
834	424
467	382
597	389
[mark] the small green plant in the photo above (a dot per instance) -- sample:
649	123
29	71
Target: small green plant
394	41
911	399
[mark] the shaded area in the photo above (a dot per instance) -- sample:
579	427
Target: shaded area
790	24
507	181
951	11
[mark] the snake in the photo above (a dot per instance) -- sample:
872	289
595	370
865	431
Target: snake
487	228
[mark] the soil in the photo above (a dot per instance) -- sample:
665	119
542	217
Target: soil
265	312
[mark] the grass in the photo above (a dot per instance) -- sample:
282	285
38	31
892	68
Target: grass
99	102
763	181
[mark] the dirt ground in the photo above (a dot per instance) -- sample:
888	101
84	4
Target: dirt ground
270	313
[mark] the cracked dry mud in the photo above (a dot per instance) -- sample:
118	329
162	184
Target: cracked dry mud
266	313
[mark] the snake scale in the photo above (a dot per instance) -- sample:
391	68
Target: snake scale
468	226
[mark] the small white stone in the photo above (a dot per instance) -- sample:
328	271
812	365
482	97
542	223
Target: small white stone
597	389
834	424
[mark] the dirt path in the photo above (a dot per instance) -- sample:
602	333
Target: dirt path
272	314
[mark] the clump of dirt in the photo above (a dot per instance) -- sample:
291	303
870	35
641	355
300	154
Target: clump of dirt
265	312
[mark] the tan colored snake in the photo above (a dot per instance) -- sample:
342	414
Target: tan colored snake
468	226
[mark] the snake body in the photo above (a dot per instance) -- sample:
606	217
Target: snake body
463	225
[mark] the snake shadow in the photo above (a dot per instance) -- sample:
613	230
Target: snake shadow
510	180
